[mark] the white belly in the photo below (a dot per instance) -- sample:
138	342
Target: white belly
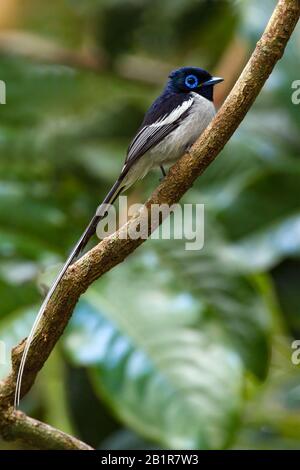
175	144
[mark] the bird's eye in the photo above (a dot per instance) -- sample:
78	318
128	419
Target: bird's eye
191	81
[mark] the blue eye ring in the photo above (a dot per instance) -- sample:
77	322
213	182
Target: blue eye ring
191	81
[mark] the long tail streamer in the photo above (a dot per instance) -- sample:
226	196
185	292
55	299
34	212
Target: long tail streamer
88	233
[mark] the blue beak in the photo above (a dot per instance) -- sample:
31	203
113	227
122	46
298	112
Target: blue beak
213	81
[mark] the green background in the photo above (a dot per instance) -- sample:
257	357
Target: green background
172	349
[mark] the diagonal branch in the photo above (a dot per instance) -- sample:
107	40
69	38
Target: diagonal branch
114	249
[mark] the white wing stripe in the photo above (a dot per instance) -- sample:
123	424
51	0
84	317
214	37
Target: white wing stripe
174	115
142	137
153	132
167	119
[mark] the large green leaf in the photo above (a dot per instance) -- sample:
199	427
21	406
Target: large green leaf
235	304
171	383
265	248
273	193
163	334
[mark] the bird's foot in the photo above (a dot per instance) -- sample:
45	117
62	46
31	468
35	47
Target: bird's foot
188	148
164	174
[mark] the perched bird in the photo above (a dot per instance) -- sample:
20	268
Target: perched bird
170	126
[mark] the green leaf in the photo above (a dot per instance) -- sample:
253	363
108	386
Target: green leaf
234	305
265	248
170	382
168	325
263	201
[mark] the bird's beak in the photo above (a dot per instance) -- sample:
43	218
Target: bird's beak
213	81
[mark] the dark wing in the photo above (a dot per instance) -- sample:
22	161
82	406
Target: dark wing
154	132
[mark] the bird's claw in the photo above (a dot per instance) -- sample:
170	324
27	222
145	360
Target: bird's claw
164	174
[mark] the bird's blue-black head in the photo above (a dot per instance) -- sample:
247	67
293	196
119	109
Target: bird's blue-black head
193	79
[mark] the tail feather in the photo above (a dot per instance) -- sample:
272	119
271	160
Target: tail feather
77	250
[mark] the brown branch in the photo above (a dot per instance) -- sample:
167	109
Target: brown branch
114	249
16	425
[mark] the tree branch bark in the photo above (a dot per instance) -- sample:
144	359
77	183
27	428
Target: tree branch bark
40	435
114	249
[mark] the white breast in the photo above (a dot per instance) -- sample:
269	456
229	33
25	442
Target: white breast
174	145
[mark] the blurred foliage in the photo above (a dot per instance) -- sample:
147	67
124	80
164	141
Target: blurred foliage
173	348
